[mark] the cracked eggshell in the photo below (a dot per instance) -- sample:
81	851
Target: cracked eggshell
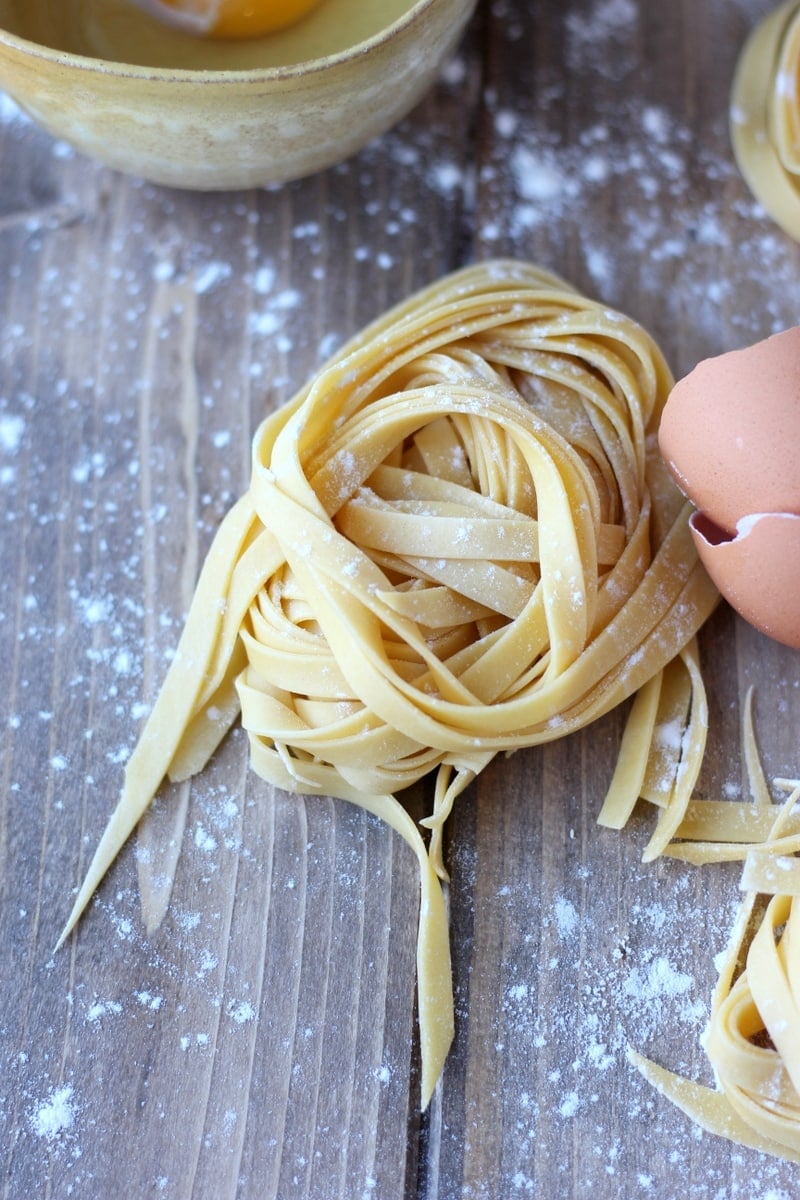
757	570
730	431
730	435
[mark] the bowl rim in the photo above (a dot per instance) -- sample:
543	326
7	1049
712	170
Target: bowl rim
309	66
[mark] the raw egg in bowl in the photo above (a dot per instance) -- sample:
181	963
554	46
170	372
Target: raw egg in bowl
218	94
229	18
730	433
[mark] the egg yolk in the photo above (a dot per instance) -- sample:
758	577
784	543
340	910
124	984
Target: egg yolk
244	18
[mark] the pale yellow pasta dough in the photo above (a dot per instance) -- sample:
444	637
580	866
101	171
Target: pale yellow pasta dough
765	115
753	1035
458	539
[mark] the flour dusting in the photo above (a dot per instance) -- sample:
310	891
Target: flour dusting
55	1115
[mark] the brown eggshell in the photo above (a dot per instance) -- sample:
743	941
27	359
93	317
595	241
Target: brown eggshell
757	571
730	432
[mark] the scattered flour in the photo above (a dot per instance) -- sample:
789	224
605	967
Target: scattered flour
163	271
656	982
539	177
149	1001
103	1008
264	280
446	176
597	40
566	917
241	1011
95	609
211	275
11	431
204	840
54	1116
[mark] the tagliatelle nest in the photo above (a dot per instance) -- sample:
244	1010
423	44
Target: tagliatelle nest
458	539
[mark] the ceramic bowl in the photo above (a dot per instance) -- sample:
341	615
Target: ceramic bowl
195	113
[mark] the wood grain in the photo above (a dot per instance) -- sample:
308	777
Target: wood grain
260	1039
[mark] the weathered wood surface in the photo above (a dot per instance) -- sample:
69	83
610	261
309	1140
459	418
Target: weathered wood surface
261	1042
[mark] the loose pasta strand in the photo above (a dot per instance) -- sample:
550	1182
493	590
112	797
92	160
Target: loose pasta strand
753	1035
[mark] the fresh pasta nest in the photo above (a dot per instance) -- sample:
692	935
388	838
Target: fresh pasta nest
458	539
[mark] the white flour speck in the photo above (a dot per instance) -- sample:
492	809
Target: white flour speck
289	298
659	981
11	430
264	323
445	177
123	662
608	20
506	123
95	609
210	275
204	840
55	1115
566	916
208	962
147	1000
537	178
454	72
264	280
241	1011
163	271
101	1008
188	921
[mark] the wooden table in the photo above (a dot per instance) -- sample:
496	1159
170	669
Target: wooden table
261	1042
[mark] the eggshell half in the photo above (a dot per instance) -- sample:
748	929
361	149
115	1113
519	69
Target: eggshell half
730	432
757	570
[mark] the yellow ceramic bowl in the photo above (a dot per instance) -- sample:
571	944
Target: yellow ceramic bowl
196	113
